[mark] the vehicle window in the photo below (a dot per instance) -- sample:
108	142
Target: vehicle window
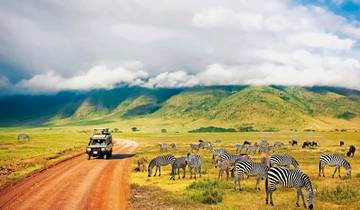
97	141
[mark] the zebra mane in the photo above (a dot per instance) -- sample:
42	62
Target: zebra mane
295	161
152	163
347	165
306	179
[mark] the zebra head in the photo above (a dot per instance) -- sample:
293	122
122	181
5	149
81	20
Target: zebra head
310	196
150	167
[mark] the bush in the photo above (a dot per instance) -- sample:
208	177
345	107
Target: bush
247	129
163	130
211	196
206	191
212	129
340	195
134	129
346	115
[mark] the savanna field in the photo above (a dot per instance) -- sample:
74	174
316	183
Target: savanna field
49	145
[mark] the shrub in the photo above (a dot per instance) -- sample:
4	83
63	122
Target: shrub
163	130
339	195
134	129
346	115
206	191
247	129
212	129
211	196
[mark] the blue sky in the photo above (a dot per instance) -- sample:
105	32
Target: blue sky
54	45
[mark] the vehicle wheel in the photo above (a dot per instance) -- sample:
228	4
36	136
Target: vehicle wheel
110	154
105	156
89	157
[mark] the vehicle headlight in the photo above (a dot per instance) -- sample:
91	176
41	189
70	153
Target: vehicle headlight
88	149
103	149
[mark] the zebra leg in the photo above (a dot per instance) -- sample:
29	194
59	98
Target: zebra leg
258	183
323	171
339	172
159	171
200	171
297	197
267	190
191	173
219	175
184	172
271	200
156	169
336	168
302	197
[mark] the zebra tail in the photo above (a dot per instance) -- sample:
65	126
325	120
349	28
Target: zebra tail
319	167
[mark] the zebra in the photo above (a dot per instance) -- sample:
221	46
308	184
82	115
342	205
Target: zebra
141	164
205	144
163	147
336	161
240	147
253	148
176	165
194	161
251	169
290	178
23	136
233	158
283	160
160	161
224	166
194	147
217	153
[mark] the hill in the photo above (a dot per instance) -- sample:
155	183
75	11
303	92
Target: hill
232	106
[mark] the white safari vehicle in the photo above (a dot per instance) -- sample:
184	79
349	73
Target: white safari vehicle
100	144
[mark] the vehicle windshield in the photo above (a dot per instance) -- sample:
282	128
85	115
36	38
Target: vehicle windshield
98	141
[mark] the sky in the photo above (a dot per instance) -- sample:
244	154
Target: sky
47	46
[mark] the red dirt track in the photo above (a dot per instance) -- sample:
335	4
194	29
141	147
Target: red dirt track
77	183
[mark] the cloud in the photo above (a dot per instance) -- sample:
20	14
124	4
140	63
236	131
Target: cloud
98	77
69	46
321	40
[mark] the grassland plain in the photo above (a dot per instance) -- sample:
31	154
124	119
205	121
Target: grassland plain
332	193
49	145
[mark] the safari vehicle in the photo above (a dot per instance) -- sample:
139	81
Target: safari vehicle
100	144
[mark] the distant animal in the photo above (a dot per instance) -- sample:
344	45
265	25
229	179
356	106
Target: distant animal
246	142
163	147
342	143
205	144
224	166
142	164
173	145
293	142
217	141
279	144
289	178
314	144
251	169
233	158
266	149
309	144
217	153
351	151
333	160
253	148
23	136
283	160
194	147
160	161
240	147
179	163
194	161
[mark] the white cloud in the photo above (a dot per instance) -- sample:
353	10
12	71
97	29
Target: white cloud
174	43
321	40
98	77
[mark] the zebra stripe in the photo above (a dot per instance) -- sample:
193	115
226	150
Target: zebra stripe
194	161
233	158
336	161
289	178
252	169
283	160
160	161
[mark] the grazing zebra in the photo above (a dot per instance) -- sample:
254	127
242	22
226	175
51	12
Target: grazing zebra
283	160
233	158
177	164
253	149
333	160
163	147
289	178
240	147
266	149
160	161
217	153
173	145
194	147
23	136
194	161
251	169
224	166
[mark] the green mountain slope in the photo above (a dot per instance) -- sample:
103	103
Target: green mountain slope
230	106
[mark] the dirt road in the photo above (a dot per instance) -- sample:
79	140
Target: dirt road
77	183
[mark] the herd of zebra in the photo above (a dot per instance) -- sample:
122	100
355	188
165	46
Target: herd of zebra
275	169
